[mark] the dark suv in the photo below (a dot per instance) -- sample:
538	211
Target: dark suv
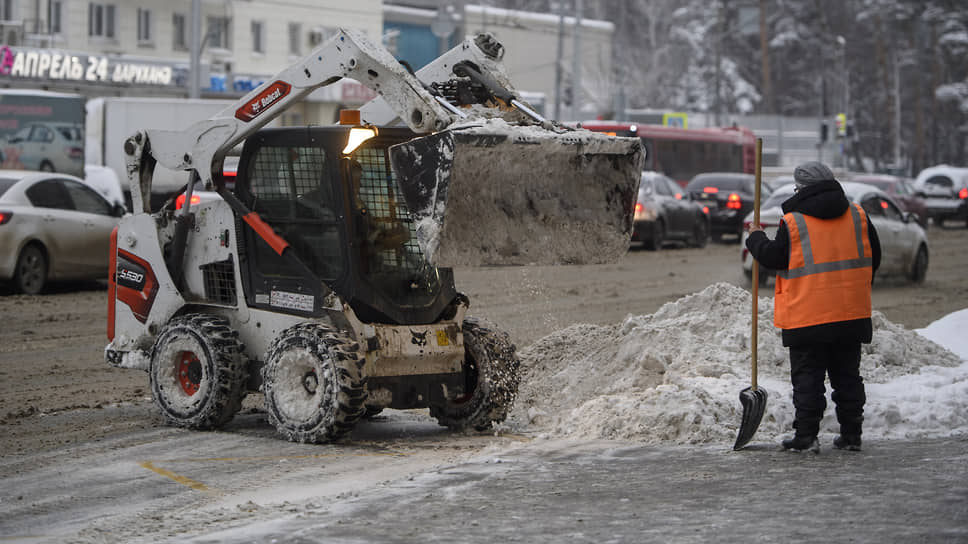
729	197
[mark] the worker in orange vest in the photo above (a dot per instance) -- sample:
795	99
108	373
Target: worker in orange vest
826	253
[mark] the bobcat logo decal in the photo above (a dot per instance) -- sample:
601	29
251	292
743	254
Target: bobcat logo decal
418	338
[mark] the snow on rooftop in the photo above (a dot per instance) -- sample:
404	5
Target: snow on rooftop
675	376
530	16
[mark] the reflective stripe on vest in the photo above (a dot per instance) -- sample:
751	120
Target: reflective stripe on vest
829	274
810	267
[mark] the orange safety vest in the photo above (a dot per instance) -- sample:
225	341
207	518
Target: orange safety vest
830	271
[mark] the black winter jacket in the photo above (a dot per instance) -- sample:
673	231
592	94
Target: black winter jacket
824	200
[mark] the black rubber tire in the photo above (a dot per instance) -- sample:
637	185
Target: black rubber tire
654	243
492	370
46	166
30	274
919	269
700	233
204	392
303	407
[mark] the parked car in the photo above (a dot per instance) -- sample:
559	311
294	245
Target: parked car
945	190
664	212
52	227
904	245
729	197
901	190
780	181
47	146
103	180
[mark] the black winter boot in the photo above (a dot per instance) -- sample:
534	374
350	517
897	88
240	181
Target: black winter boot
801	443
849	442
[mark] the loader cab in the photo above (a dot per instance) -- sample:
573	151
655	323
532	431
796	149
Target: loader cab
344	218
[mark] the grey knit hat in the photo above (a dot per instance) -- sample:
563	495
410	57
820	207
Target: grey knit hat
810	173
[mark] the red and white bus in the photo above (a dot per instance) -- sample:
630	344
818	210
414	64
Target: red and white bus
682	153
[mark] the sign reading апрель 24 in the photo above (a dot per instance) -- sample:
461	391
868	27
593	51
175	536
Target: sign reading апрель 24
26	63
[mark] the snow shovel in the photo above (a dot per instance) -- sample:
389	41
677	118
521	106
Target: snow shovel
753	398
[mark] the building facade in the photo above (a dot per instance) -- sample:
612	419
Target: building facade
416	31
142	47
104	48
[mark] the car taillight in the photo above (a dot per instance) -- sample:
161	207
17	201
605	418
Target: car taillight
5	217
180	201
705	210
710	190
639	207
678	196
733	202
963	193
75	152
228	173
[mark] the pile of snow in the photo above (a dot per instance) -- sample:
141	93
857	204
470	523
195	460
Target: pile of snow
675	376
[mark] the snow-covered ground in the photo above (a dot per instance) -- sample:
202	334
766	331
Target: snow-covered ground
675	376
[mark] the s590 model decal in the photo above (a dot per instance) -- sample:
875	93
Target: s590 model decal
136	284
263	101
130	275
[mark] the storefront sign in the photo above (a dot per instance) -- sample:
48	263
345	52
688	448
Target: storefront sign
26	63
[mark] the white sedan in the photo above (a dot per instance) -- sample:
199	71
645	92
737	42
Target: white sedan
52	227
904	245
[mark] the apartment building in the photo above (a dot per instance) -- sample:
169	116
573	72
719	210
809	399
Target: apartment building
142	47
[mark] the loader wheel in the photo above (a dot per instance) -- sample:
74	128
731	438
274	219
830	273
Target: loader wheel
491	368
197	372
313	382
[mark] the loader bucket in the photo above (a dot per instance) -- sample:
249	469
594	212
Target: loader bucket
498	194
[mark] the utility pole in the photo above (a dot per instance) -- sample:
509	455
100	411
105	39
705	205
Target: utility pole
558	67
576	66
765	61
897	111
195	42
717	102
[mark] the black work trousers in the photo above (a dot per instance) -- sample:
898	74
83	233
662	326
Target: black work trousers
808	366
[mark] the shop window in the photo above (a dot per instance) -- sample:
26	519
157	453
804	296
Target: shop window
101	20
218	33
179	33
144	26
258	37
295	31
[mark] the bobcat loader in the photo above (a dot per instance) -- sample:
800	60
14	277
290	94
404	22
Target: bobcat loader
322	278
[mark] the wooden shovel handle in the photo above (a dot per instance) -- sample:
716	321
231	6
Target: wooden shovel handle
756	265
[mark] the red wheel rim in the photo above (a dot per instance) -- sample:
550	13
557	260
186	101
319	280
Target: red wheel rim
189	372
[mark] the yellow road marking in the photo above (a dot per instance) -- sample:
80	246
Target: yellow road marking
188	482
284	457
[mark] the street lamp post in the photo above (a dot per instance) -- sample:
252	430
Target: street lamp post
845	145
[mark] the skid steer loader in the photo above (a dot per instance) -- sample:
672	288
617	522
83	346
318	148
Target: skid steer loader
322	278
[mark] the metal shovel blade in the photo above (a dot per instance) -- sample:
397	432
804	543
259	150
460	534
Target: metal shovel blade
754	405
501	194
